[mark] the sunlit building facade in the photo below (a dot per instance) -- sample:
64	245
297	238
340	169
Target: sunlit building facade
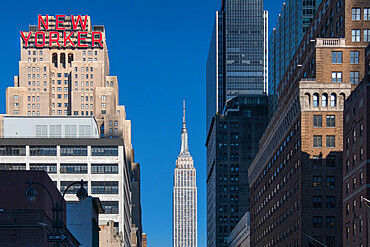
184	196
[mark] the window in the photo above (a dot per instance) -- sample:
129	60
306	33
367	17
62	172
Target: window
103	105
73	150
330	202
317	141
104	168
15	97
336	76
354	181
73	189
324	100
49	168
73	168
104	187
12	150
316	182
315	100
354	77
104	150
366	14
333	100
317	222
330	161
317	202
330	222
366	35
354	57
115	123
336	57
330	182
317	161
12	166
43	150
356	35
330	141
110	207
354	160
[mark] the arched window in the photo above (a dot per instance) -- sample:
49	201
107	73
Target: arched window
307	100
324	100
315	100
333	100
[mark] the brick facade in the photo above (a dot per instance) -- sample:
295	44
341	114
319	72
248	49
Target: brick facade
24	223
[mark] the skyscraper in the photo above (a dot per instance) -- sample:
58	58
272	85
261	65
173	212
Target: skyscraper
236	82
184	196
232	144
64	71
293	21
236	61
61	76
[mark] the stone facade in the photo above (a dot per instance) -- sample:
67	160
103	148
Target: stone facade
69	81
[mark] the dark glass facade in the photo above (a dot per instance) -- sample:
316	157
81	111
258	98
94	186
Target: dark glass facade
293	21
232	144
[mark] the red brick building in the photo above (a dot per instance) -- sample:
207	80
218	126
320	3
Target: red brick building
296	178
23	223
356	165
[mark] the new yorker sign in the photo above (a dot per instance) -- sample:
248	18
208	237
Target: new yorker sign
58	35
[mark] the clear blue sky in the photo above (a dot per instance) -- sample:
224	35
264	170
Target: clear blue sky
158	50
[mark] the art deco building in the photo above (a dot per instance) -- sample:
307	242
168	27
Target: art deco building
184	196
66	80
296	178
64	73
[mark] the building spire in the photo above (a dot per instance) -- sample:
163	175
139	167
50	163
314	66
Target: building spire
184	136
183	118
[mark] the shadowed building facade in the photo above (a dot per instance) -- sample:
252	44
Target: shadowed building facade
232	144
296	178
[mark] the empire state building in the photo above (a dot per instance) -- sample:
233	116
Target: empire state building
184	196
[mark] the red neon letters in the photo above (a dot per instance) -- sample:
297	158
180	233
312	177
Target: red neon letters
60	36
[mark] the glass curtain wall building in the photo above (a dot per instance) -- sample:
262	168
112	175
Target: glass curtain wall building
292	23
236	62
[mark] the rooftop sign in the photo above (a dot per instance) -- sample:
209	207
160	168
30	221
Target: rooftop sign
65	32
